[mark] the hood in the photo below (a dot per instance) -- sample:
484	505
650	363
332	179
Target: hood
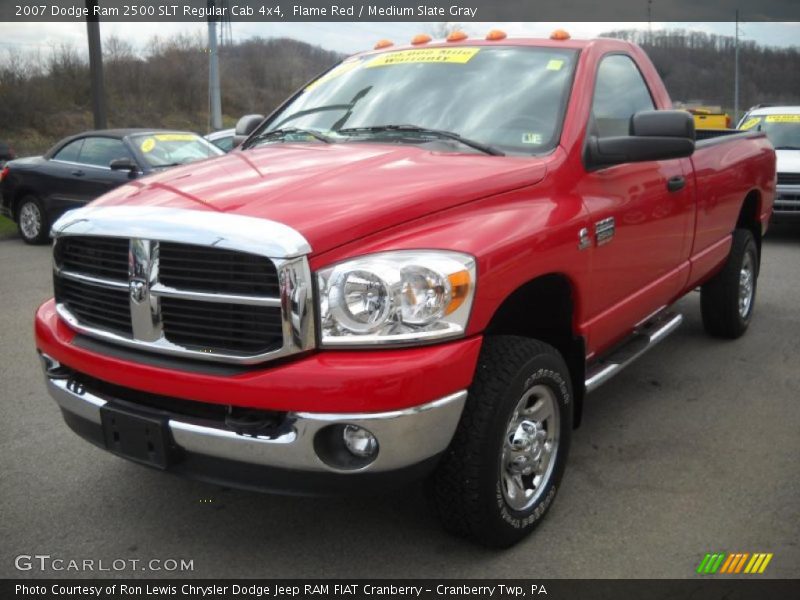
788	161
335	193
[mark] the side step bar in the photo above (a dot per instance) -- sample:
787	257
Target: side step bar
644	338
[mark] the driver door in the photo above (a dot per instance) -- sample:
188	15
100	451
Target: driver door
641	214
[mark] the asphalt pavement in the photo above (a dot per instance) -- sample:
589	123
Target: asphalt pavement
693	449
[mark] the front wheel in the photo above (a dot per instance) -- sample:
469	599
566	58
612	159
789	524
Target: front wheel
32	221
503	468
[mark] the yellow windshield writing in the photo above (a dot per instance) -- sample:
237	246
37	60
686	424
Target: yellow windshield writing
424	55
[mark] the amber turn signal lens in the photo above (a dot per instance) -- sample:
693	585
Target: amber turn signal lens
383	44
495	34
559	34
456	36
421	38
459	285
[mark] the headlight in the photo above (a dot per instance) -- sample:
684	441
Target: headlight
398	297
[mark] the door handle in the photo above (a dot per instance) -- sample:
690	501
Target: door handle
676	183
78	173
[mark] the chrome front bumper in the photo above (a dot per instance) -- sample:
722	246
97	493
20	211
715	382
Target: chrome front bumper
405	437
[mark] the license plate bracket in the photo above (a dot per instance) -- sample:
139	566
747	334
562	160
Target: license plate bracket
142	438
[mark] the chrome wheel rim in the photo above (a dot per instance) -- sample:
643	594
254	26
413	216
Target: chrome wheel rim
30	220
529	448
747	278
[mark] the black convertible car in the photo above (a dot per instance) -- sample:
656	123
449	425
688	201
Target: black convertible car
35	191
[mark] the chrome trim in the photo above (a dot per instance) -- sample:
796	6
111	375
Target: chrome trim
405	437
584	241
147	227
604	230
164	291
186	226
643	340
81	278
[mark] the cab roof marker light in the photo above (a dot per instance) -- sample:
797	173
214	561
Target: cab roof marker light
496	35
559	34
383	44
420	38
457	36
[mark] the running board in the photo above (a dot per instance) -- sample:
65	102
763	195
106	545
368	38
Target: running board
644	338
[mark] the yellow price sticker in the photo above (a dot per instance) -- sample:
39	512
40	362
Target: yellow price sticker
148	145
555	65
175	137
783	119
458	56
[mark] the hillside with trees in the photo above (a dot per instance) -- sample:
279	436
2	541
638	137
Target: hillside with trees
698	66
46	97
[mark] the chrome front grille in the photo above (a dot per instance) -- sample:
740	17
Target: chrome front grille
190	299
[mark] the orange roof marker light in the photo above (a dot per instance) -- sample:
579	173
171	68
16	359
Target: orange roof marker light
421	38
495	35
559	34
383	44
457	36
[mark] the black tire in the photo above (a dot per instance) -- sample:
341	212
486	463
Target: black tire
32	221
467	489
721	298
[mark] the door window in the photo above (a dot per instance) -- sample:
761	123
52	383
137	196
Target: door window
70	152
100	151
620	91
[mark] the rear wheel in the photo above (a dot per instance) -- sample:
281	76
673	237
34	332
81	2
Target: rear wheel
32	220
501	472
727	300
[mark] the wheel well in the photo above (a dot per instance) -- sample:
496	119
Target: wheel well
543	309
749	217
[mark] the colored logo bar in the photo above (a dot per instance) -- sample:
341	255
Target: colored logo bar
734	563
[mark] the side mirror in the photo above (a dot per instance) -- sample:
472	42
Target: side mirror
244	127
654	135
124	164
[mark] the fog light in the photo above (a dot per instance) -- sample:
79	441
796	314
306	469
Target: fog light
359	441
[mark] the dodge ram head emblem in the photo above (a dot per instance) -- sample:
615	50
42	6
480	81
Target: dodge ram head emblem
137	290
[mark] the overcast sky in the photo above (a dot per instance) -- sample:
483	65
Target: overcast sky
353	37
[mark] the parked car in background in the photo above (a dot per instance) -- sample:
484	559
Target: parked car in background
37	190
6	153
782	126
222	139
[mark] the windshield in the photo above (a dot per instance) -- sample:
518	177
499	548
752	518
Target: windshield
170	149
509	98
782	130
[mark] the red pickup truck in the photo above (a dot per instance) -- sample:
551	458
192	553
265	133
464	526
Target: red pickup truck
417	266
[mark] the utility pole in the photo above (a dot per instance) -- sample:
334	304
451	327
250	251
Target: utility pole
736	73
96	66
214	100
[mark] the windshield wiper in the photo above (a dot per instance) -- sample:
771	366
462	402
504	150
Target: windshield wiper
787	147
485	148
283	132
